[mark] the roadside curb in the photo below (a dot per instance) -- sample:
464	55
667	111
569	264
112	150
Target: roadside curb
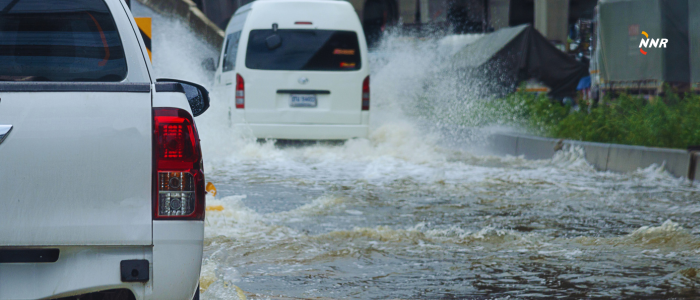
604	157
187	10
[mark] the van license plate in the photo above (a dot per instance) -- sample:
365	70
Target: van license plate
302	101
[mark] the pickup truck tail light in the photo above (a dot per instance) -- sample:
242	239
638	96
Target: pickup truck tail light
179	178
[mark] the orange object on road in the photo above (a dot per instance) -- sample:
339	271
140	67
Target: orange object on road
211	189
215	208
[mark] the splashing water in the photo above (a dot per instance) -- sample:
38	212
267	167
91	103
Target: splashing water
409	213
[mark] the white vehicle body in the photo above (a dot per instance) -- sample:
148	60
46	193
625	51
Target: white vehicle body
268	111
77	176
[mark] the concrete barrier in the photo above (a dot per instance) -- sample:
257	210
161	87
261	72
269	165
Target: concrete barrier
504	144
604	157
629	158
536	147
188	11
597	154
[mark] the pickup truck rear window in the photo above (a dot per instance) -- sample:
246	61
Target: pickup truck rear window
303	50
59	40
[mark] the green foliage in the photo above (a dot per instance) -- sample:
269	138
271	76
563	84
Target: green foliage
671	121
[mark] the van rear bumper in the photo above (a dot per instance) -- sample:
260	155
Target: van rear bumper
307	132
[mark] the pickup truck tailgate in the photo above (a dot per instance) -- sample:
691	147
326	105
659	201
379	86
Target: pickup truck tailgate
76	169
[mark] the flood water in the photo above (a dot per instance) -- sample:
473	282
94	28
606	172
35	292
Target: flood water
418	211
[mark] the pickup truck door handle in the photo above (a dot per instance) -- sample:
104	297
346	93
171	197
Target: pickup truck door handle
4	132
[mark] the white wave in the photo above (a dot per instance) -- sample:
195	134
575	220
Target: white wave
228	219
324	205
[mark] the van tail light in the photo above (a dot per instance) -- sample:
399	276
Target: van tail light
365	94
179	178
240	92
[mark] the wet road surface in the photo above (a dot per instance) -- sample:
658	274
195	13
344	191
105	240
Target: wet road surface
411	213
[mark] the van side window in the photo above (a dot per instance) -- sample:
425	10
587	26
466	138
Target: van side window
231	51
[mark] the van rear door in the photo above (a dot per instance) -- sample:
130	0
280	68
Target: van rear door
310	76
76	168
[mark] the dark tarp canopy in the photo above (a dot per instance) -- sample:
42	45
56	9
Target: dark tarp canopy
511	55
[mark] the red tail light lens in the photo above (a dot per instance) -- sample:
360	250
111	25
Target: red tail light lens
365	94
240	92
179	177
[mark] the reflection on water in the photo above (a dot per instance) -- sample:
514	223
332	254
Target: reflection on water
414	212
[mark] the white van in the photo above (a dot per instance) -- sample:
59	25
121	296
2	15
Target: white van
296	69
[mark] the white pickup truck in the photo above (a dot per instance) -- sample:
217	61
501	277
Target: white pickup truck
101	181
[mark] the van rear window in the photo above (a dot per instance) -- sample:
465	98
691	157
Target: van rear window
59	40
303	50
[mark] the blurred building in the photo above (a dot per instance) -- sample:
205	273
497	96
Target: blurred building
553	18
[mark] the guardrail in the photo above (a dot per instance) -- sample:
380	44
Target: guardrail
187	10
604	157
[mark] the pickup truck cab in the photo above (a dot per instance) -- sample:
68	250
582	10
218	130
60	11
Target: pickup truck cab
101	180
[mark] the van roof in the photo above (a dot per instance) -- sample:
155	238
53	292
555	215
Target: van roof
259	1
268	3
251	4
336	14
